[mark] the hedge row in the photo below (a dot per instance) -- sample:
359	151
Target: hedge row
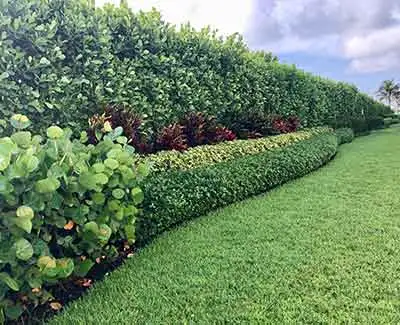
173	197
63	59
211	154
344	135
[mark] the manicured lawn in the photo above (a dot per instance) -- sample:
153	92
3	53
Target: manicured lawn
322	249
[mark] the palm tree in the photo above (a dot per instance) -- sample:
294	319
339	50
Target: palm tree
388	91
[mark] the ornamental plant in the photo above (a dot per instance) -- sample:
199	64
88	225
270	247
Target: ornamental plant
63	205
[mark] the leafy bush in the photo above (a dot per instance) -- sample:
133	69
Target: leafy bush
344	135
173	197
211	154
360	126
172	138
63	204
63	59
375	123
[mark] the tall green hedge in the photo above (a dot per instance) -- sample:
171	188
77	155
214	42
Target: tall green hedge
62	59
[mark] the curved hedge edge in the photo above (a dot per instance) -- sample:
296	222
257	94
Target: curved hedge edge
176	196
206	155
345	135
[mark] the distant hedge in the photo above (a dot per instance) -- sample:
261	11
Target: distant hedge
345	135
173	197
61	60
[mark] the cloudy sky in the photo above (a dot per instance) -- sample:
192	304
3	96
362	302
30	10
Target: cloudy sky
350	40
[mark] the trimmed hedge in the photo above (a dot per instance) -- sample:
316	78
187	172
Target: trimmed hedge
173	197
63	59
345	135
211	154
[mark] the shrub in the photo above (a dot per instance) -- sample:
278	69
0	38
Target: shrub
211	154
172	138
63	204
64	59
200	129
375	123
344	135
360	126
173	197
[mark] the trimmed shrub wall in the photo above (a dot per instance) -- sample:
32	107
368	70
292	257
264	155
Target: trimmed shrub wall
211	154
176	196
63	59
344	135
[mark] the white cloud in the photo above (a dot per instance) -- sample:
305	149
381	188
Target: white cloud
366	33
228	16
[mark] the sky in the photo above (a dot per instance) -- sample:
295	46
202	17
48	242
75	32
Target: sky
357	41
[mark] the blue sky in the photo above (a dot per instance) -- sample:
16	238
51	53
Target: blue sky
348	40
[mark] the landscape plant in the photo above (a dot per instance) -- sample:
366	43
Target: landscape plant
64	206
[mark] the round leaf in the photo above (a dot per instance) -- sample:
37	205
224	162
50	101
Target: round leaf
23	249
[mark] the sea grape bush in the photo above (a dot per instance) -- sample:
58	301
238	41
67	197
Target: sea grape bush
63	204
63	59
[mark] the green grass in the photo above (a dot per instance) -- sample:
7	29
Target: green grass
322	249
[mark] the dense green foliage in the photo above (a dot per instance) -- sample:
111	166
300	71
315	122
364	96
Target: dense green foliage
63	59
344	135
211	154
63	204
323	249
173	197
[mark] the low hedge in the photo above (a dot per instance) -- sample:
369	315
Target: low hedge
211	154
344	135
173	197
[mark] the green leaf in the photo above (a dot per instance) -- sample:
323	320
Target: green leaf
5	186
130	233
24	223
98	198
143	170
22	139
4	161
65	267
137	195
83	267
14	311
25	212
104	233
55	132
91	226
44	61
98	168
111	163
19	121
46	262
23	249
118	193
47	185
9	281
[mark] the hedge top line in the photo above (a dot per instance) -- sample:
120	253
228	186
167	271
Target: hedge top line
63	59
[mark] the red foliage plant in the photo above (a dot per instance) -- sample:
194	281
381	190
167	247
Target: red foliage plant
200	129
172	138
223	134
281	125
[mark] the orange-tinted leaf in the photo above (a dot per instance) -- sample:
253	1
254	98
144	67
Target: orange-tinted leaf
55	305
69	225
